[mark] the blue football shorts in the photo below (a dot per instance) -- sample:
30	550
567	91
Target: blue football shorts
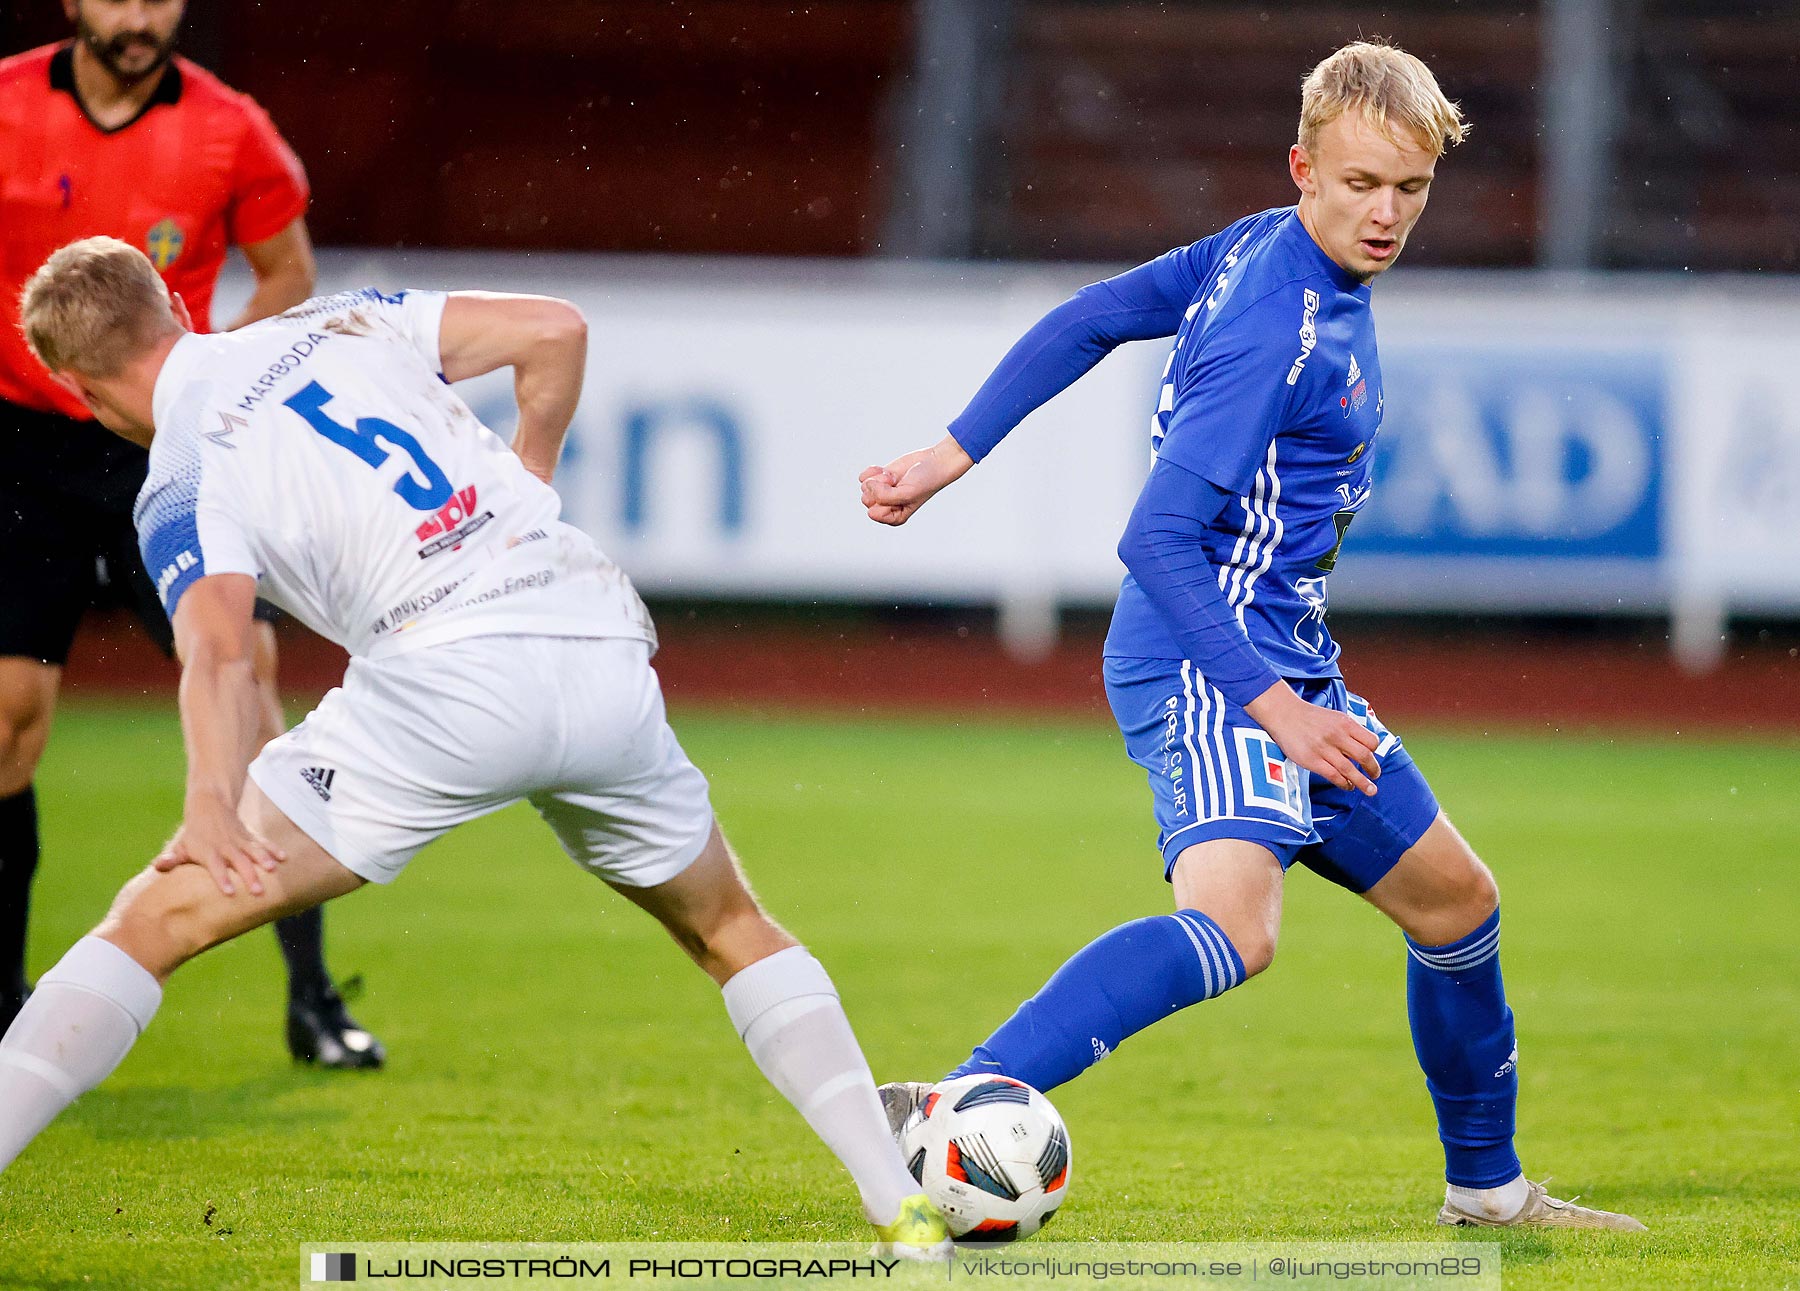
1215	774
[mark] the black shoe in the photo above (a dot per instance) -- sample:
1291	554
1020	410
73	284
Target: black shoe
321	1030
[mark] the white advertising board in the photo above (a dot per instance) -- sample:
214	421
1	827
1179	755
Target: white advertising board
1588	445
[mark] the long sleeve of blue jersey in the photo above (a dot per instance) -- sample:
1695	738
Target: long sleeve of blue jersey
1138	305
1234	393
1164	547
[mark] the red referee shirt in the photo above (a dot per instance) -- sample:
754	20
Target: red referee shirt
201	169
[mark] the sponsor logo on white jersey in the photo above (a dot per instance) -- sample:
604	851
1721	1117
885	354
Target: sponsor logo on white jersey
322	453
227	425
166	576
452	523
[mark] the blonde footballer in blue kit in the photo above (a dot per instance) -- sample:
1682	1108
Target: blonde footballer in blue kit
321	459
1219	665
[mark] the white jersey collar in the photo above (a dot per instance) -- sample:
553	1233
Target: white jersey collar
177	368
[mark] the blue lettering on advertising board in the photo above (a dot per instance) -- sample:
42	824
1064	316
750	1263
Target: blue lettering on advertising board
644	425
1518	453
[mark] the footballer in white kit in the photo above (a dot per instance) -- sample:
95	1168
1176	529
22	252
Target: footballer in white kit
321	453
321	460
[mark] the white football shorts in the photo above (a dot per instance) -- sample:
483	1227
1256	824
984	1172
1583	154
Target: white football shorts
411	746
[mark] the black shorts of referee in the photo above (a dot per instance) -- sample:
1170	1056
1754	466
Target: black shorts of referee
66	541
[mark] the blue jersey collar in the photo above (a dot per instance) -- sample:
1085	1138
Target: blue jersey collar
1297	232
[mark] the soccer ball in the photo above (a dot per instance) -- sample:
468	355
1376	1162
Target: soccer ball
992	1154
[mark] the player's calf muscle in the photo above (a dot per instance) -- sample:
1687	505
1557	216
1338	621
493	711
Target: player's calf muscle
712	914
749	936
729	930
728	946
162	920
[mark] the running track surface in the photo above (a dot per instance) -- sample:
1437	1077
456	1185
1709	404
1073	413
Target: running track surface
1511	677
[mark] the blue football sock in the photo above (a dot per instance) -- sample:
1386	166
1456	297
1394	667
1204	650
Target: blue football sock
1463	1034
1115	986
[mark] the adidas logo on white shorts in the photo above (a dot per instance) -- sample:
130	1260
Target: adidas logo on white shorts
320	779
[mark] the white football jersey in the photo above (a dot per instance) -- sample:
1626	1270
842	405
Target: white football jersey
322	453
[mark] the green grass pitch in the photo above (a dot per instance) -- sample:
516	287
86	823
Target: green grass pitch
559	1072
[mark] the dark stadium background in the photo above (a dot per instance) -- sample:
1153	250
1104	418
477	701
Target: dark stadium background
766	127
1106	132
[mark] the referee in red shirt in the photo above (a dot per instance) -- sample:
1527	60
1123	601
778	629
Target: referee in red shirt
112	134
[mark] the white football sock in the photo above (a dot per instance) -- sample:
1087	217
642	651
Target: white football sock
1500	1203
787	1012
77	1026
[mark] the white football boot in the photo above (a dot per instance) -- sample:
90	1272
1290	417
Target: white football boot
900	1100
1541	1210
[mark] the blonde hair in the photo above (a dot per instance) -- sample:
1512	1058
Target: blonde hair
1394	91
92	306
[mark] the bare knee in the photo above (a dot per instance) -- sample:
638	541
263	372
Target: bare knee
1440	892
20	749
1252	929
1255	945
1477	893
700	926
1458	903
1237	884
25	710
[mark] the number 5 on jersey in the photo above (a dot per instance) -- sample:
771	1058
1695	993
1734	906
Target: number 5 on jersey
366	441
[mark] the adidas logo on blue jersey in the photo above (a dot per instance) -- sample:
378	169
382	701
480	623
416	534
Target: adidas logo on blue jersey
320	779
1355	372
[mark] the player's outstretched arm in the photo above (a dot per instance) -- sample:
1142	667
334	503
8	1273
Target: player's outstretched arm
221	724
543	340
1063	345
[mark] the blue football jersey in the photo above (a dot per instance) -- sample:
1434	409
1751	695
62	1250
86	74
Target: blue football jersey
1273	394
